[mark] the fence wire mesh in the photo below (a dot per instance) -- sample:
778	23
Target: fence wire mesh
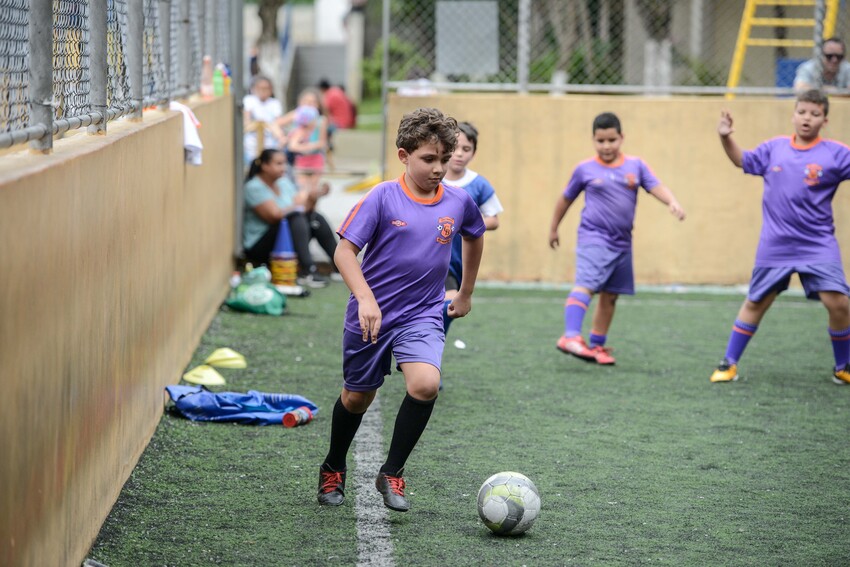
14	64
596	45
163	66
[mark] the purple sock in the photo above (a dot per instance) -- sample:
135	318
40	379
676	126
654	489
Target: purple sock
840	347
741	335
597	339
574	311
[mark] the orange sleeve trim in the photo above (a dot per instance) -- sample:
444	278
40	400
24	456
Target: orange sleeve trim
342	228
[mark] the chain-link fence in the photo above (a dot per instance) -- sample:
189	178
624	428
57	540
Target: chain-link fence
618	46
65	64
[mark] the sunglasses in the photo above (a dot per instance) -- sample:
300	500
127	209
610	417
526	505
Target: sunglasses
833	56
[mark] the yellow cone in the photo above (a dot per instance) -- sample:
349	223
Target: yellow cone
226	358
204	375
363	184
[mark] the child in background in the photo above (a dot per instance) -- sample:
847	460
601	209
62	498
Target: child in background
604	253
481	192
261	110
801	174
308	141
407	227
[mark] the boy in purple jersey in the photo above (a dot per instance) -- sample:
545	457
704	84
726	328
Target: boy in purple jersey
604	253
801	173
395	307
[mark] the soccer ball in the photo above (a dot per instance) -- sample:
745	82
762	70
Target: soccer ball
508	503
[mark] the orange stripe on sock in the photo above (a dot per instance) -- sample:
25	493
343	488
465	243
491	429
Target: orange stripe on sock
844	338
742	331
571	301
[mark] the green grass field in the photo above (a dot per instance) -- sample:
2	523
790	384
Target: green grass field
642	463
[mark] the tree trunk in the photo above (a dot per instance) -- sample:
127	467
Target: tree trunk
267	10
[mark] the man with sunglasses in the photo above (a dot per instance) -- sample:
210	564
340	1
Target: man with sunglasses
829	72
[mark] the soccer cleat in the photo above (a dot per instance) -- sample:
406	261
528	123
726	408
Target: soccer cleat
842	377
331	486
576	347
725	372
392	488
602	355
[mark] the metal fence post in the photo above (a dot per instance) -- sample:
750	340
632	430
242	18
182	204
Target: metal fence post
210	31
523	45
820	13
385	77
135	54
98	64
238	90
41	72
165	39
183	49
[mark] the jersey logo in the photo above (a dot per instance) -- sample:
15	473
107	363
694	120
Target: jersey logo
776	168
398	223
631	181
813	172
446	227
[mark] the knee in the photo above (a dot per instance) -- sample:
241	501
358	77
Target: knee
357	402
835	302
425	390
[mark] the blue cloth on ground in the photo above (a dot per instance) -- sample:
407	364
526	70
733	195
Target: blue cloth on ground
254	408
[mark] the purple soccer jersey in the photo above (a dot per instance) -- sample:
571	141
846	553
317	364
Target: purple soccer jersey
799	184
409	247
610	198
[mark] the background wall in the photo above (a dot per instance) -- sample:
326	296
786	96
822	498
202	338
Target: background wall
529	146
115	256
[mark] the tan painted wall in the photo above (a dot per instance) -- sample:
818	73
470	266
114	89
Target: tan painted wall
115	256
529	146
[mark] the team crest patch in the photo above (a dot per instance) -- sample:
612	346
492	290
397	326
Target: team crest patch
813	172
398	223
631	181
446	226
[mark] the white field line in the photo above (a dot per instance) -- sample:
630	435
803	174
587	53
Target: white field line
631	300
374	546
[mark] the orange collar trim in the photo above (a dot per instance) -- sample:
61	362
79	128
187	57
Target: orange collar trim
435	199
621	159
812	144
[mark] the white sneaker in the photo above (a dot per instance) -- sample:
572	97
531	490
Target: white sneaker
336	277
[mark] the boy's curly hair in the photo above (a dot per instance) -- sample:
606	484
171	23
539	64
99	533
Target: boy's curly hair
426	125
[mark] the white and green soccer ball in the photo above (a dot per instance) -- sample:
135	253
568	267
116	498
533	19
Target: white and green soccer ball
508	503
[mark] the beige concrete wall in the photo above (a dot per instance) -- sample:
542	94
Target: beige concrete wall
115	256
529	146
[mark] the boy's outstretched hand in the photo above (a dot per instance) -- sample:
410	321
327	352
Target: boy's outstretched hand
724	128
676	210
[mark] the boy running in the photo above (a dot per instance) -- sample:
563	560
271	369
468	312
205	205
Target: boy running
395	307
604	253
801	173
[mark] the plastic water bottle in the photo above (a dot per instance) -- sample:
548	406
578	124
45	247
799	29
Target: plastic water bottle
207	77
298	416
218	80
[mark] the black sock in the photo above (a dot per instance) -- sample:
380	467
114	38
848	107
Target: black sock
413	416
344	426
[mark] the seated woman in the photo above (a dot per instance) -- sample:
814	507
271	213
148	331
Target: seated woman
270	197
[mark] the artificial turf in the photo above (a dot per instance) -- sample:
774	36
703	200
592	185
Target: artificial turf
643	462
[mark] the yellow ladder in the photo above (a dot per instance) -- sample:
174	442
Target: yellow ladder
749	21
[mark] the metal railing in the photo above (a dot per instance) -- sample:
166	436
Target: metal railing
68	64
599	46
